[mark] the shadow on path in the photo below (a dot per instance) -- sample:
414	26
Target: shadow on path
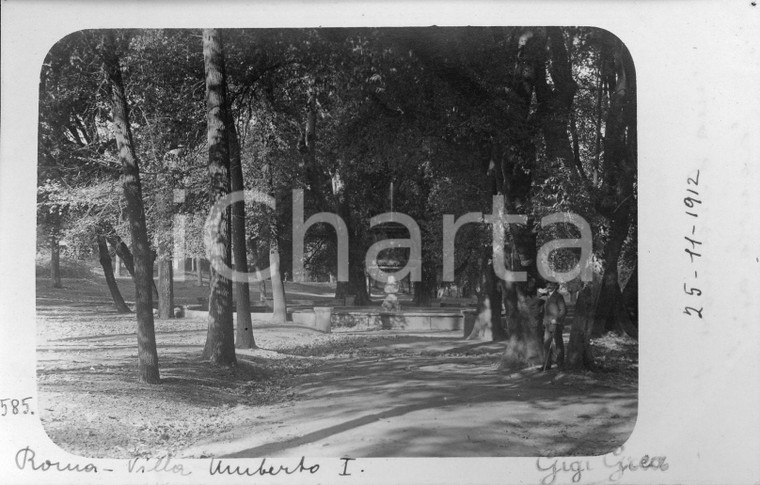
418	404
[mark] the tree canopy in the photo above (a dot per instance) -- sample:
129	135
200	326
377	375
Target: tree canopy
422	121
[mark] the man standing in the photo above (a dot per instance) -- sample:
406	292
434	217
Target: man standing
554	317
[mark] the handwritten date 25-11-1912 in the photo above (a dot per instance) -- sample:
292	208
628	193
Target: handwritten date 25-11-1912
693	249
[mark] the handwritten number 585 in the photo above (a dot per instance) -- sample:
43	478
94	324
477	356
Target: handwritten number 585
13	406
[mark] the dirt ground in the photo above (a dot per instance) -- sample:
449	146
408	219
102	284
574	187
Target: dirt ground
362	394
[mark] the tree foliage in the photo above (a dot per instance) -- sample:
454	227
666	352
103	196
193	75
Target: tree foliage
447	117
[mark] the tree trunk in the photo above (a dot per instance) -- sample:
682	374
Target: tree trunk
494	292
263	290
122	251
524	329
279	305
198	272
425	290
514	181
610	297
105	262
279	310
165	241
55	261
166	288
631	296
147	355
262	284
357	278
598	118
356	285
220	338
484	300
314	177
617	198
524	347
579	352
244	338
555	111
423	293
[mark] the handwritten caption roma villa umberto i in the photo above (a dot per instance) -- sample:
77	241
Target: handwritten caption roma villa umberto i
27	459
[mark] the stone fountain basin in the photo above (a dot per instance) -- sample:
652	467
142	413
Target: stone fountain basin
371	318
374	318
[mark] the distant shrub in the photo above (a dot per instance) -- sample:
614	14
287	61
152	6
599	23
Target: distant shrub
70	268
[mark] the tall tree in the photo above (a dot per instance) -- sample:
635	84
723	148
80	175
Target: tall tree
69	148
603	160
244	338
146	338
220	339
611	185
164	236
50	217
617	202
555	110
279	305
172	132
356	285
515	175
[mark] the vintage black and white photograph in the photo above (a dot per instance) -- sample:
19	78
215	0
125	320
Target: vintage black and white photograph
373	242
376	242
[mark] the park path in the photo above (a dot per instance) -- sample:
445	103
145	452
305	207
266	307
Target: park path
433	397
346	393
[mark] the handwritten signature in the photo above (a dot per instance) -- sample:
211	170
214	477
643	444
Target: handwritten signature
616	461
557	466
627	463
